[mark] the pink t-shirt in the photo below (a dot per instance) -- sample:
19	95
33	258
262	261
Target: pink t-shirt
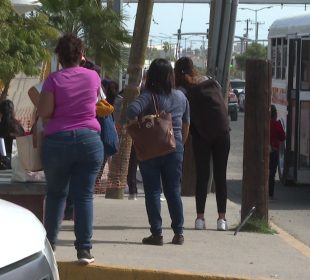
75	92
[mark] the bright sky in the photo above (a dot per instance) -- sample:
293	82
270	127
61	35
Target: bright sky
167	17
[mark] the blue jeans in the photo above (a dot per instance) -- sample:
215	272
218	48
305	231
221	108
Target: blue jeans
169	169
71	159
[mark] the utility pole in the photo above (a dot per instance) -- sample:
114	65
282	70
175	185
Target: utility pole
203	52
256	139
117	177
247	33
257	24
177	54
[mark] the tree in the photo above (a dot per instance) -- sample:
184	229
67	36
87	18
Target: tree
119	166
254	51
24	42
101	29
166	47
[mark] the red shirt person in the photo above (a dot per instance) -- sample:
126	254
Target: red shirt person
277	135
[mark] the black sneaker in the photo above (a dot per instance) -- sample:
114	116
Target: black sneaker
84	256
178	239
153	240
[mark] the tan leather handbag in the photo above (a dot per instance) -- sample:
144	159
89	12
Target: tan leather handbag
153	135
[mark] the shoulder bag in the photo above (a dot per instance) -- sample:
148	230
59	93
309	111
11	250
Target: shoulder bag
153	135
29	149
108	135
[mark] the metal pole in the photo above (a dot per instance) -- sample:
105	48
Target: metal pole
247	34
117	6
256	27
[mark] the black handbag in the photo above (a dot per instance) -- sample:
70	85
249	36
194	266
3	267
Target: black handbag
5	162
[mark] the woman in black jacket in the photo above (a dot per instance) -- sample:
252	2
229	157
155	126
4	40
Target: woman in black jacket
210	135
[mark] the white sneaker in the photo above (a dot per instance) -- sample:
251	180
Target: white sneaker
132	196
200	224
222	225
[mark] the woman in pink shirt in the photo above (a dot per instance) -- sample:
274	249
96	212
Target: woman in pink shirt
72	151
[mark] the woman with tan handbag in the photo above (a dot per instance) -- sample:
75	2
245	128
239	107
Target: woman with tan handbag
168	168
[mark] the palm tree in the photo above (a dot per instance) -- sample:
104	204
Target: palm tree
118	169
100	27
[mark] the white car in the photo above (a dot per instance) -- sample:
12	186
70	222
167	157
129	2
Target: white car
25	252
238	87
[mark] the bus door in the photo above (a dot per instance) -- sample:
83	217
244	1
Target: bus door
303	160
298	122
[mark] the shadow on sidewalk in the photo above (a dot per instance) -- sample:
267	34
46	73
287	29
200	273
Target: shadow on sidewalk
292	197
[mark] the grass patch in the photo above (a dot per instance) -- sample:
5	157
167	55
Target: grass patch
258	226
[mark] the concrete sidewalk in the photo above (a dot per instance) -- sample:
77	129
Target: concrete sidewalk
120	225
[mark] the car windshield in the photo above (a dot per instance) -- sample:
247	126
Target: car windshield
237	84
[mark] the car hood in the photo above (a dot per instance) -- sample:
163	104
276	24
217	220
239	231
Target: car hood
21	233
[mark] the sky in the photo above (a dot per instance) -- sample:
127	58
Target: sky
167	17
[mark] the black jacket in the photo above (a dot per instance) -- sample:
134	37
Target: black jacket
209	115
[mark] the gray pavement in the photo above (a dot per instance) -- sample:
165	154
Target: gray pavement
120	225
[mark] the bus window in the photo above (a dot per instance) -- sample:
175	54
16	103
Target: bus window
305	65
278	58
273	57
284	59
295	65
304	150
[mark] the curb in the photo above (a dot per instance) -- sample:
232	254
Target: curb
291	240
74	271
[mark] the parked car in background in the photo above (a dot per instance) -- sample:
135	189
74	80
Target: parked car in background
25	252
232	105
238	87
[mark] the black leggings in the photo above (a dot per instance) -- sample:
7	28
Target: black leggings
273	165
219	149
132	172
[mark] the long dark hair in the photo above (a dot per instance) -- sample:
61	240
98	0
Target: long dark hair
160	77
273	112
185	74
9	125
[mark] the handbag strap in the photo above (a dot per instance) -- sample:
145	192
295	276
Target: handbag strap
155	103
34	133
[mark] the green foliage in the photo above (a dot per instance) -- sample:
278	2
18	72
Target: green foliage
259	226
24	42
101	29
166	47
235	73
254	51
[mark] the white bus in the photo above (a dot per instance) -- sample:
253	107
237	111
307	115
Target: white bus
289	51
